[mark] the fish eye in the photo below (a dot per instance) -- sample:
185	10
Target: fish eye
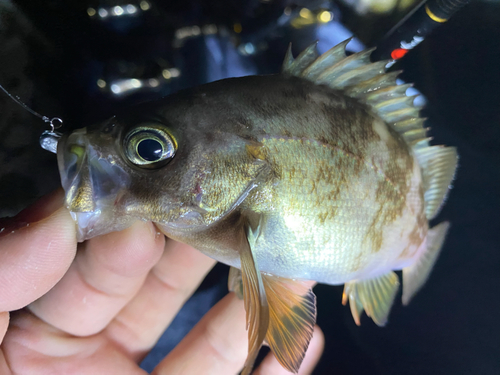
149	146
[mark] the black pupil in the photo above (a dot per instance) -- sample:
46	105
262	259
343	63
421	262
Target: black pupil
150	149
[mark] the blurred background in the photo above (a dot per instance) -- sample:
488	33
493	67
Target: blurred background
84	61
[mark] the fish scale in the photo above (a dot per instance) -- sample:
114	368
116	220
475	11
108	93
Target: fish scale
331	262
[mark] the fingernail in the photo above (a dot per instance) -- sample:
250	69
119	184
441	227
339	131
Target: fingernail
40	210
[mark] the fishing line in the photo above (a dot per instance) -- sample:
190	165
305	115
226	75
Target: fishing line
49	138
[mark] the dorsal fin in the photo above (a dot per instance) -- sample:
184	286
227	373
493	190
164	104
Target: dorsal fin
326	60
297	66
368	82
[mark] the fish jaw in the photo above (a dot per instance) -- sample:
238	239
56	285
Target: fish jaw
95	184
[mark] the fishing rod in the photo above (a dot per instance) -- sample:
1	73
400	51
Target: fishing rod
414	27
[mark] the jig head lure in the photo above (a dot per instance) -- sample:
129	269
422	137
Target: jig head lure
49	138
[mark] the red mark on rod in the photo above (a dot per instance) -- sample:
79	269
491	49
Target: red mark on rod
398	53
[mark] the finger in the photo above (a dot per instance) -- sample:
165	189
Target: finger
314	352
271	366
36	249
32	346
4	324
104	277
216	345
167	287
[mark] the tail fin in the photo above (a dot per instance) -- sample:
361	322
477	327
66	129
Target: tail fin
417	274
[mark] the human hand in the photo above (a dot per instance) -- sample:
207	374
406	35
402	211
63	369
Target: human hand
101	309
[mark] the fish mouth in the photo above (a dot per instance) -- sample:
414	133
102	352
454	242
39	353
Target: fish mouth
94	183
85	223
90	224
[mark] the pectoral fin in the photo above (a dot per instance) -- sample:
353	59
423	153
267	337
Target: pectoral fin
292	315
256	305
375	296
279	310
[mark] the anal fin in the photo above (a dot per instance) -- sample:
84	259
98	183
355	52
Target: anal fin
292	315
354	303
375	296
417	274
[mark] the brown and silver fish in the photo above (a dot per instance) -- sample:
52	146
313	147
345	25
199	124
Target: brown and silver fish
322	172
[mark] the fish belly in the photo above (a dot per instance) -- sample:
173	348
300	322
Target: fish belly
336	216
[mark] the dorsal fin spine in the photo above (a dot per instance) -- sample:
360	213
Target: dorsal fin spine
345	65
360	74
329	58
387	93
288	61
306	58
411	123
379	82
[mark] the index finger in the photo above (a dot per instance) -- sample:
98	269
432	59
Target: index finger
36	249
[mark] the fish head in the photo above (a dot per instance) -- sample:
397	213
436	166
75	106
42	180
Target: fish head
167	164
119	171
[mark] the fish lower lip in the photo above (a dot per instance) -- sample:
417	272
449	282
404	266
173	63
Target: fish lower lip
84	219
85	222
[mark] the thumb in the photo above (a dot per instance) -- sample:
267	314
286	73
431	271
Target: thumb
36	249
4	324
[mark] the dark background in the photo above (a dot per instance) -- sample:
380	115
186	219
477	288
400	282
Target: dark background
52	53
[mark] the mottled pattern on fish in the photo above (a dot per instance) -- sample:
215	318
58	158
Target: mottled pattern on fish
323	177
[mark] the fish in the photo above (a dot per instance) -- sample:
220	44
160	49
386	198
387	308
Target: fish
322	172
